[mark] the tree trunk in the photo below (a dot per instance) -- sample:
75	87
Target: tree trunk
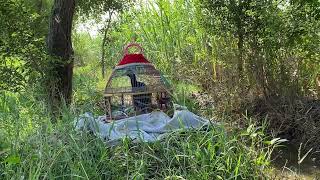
238	8
240	54
103	53
240	33
60	48
104	41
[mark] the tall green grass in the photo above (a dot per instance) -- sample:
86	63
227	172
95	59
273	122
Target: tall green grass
31	147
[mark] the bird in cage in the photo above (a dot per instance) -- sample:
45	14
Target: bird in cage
135	87
141	102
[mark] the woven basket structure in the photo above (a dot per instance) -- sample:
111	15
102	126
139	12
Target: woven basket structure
135	87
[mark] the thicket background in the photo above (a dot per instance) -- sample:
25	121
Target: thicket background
231	60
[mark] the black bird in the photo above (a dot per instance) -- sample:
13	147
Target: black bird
134	83
141	102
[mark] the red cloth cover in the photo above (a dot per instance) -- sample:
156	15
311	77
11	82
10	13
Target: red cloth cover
133	58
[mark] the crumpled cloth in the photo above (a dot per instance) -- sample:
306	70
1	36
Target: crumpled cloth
146	127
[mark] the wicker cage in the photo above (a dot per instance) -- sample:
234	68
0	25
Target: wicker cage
135	87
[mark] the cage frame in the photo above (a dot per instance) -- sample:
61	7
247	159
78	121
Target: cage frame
163	93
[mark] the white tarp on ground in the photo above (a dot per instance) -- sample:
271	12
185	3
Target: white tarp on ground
146	127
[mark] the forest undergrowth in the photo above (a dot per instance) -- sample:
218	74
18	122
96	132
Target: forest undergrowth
252	66
32	147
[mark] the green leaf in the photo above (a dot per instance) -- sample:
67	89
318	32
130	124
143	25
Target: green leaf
13	160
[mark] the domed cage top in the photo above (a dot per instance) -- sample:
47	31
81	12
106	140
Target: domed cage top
135	87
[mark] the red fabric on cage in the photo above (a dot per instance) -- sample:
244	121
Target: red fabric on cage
133	58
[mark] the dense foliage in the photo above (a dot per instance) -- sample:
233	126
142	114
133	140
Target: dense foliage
277	42
254	65
22	52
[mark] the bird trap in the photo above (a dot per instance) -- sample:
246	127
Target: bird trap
135	87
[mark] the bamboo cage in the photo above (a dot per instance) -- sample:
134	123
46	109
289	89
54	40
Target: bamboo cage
135	87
